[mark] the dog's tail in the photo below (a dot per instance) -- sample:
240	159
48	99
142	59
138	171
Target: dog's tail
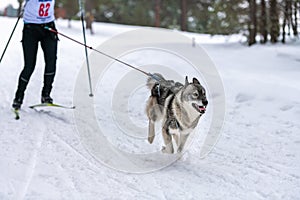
155	78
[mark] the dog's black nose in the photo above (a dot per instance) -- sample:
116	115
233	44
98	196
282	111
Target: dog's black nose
205	102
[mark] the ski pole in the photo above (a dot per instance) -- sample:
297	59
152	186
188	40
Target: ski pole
109	56
84	39
19	17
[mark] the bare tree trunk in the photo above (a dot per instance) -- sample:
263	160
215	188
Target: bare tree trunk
252	22
274	32
295	29
183	15
285	19
157	13
290	15
263	23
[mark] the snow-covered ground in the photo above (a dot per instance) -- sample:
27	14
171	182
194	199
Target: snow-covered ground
257	156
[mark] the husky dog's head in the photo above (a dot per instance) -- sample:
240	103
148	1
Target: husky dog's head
194	95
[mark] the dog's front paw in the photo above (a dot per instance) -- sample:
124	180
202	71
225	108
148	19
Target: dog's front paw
150	139
179	150
167	149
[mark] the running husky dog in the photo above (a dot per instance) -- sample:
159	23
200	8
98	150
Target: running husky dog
179	106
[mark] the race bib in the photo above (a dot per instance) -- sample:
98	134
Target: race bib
39	11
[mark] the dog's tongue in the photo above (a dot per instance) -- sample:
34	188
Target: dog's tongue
202	108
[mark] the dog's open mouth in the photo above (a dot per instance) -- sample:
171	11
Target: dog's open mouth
200	109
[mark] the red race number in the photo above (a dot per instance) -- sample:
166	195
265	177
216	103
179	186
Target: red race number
43	10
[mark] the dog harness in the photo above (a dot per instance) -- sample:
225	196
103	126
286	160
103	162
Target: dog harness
161	93
172	121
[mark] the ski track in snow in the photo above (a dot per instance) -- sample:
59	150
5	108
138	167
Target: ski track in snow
257	156
33	160
29	140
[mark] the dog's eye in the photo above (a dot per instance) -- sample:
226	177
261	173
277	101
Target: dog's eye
195	94
203	92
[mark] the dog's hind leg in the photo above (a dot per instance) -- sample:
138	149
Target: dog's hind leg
183	139
151	131
168	141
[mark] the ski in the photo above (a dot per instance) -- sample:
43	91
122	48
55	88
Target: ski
17	113
51	105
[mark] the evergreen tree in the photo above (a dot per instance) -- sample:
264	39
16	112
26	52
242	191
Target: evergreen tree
199	15
227	17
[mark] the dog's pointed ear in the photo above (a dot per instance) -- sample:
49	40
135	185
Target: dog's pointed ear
186	81
195	81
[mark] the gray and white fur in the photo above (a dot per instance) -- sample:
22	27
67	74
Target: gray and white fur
178	106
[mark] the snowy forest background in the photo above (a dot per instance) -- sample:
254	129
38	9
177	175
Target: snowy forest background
259	20
269	19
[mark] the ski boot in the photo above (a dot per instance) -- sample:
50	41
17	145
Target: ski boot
46	99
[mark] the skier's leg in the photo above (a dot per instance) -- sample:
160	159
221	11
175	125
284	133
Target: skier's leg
30	41
49	46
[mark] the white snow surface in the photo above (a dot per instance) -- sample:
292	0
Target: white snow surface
256	157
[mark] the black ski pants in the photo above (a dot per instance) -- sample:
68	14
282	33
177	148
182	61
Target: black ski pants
32	35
